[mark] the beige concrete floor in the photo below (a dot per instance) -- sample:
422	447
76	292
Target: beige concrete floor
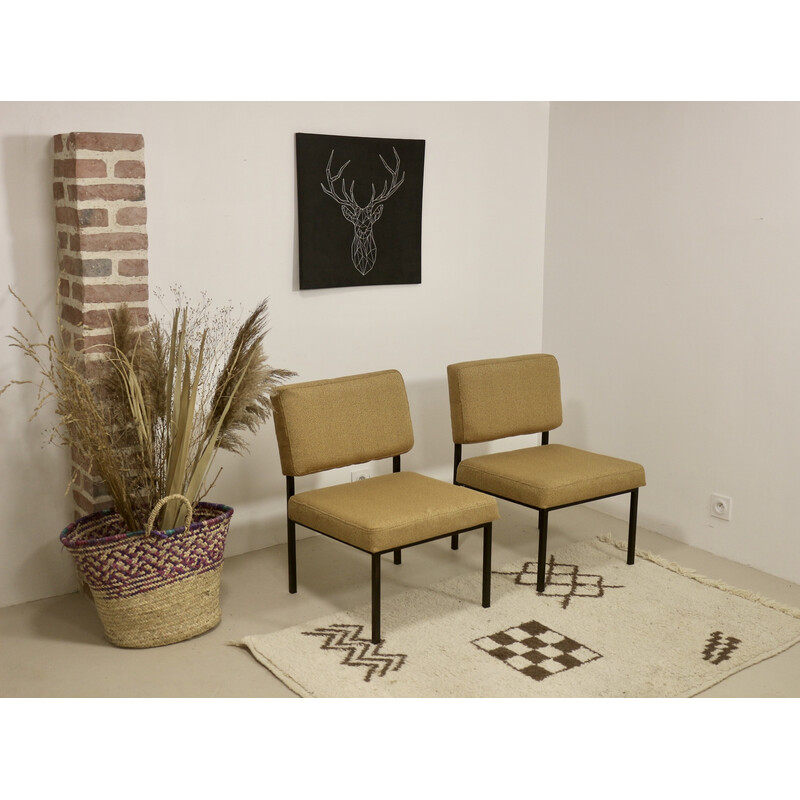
55	648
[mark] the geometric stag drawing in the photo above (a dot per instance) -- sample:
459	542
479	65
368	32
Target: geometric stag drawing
363	249
359	211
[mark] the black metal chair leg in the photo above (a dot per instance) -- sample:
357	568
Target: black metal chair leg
292	557
487	565
454	542
398	557
542	565
376	598
632	526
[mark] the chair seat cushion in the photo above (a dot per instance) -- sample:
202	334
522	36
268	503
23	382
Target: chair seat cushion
389	511
550	476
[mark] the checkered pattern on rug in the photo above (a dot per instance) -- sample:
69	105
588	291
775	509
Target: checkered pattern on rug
536	650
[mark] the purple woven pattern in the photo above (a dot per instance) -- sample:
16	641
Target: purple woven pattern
115	564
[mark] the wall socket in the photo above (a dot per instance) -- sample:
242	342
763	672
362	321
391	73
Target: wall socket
721	506
359	475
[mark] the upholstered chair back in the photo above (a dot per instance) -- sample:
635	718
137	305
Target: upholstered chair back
499	397
342	421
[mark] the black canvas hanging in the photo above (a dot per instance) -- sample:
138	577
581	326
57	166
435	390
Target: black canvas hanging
359	203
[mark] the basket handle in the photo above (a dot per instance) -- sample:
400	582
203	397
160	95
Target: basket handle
154	513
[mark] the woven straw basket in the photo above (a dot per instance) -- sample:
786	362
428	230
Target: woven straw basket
152	587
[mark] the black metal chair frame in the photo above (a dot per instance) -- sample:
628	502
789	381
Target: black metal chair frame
376	557
544	514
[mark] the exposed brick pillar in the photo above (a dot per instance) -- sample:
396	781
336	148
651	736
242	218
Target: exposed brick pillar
101	216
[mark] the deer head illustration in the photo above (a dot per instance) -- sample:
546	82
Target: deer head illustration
363	249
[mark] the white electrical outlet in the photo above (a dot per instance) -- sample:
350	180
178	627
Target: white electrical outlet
359	475
721	506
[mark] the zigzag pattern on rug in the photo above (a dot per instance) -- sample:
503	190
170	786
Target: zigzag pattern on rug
716	652
358	651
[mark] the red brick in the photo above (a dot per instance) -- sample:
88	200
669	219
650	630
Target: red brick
72	265
115	293
100	318
63	240
107	191
96	319
67	215
97	344
140	316
64	168
77	291
79	168
93	218
90	168
58	142
72	315
96	267
63	287
106	141
132	267
104	242
129	169
95	368
58	190
132	215
86	267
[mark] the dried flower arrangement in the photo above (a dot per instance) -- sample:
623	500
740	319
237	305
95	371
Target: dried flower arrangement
167	399
162	401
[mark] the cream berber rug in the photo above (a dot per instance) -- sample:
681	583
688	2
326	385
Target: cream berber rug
601	629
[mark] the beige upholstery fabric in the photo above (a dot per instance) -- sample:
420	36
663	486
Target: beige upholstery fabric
334	423
390	511
550	475
500	397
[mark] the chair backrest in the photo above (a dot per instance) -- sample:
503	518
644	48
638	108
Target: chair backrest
341	421
499	397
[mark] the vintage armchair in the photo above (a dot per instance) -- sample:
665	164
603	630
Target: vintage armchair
503	397
327	424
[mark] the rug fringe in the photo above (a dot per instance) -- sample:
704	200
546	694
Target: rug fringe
690	573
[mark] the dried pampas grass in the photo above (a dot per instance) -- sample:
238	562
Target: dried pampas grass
168	398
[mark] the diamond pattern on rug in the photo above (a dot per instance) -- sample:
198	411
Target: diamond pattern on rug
716	652
536	650
358	652
562	580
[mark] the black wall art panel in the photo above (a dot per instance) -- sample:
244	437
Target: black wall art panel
359	203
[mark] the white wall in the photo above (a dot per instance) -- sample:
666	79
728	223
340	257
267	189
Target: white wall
671	299
222	218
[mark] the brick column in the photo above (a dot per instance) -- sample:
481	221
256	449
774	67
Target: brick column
101	216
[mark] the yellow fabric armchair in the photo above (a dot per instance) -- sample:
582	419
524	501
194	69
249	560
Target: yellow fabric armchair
339	422
505	397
